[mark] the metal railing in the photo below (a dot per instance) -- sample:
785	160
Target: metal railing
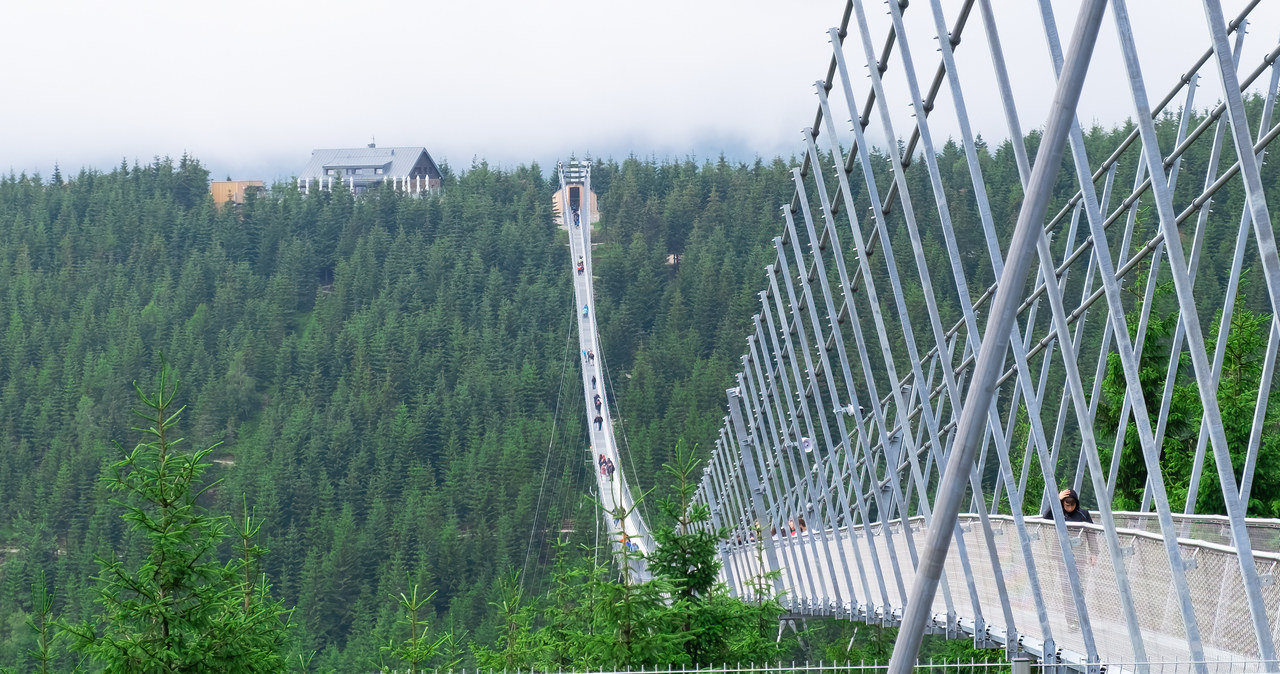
1213	575
932	666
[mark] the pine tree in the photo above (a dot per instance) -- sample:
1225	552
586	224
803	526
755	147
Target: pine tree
180	609
416	650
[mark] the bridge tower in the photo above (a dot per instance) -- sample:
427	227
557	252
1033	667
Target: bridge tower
575	194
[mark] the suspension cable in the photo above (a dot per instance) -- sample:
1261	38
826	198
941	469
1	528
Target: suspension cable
644	510
555	418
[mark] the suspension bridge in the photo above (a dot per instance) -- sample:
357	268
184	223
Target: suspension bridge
616	498
878	442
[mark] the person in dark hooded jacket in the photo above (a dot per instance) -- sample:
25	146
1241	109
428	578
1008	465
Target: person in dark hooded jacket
1071	510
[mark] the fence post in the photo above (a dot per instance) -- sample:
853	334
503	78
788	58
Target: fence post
1021	666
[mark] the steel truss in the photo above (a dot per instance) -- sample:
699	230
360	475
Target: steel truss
891	405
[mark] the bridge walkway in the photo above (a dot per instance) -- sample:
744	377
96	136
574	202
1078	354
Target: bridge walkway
613	489
1214	577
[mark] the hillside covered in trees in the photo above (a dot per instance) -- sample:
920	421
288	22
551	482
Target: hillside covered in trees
387	375
391	378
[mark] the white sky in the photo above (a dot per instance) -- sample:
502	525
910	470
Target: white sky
250	88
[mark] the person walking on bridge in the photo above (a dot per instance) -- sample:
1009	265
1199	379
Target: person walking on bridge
1071	510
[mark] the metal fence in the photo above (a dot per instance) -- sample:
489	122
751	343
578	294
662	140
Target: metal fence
1213	578
929	667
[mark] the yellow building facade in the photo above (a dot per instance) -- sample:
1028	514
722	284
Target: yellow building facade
232	191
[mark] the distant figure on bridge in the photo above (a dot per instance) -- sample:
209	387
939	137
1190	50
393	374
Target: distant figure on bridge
591	356
584	311
599	422
597	401
576	219
1071	510
609	467
593	382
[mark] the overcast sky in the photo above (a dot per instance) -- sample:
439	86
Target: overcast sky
250	88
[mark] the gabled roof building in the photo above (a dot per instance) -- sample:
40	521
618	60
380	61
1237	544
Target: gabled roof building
409	169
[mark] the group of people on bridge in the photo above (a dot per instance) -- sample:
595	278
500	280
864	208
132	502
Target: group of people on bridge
589	358
1072	511
603	461
606	466
791	527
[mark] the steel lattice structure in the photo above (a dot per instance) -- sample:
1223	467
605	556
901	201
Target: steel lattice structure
892	401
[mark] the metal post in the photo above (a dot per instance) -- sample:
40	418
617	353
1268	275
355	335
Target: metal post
749	471
995	342
1266	243
713	507
788	484
764	456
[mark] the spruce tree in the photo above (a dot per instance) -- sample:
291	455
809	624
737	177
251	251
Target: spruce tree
180	609
417	649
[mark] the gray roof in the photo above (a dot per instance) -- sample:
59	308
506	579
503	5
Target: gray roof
394	161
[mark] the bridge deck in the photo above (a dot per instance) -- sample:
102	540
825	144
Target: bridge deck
1214	576
614	493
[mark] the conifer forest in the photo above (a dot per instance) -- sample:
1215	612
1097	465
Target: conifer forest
326	432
